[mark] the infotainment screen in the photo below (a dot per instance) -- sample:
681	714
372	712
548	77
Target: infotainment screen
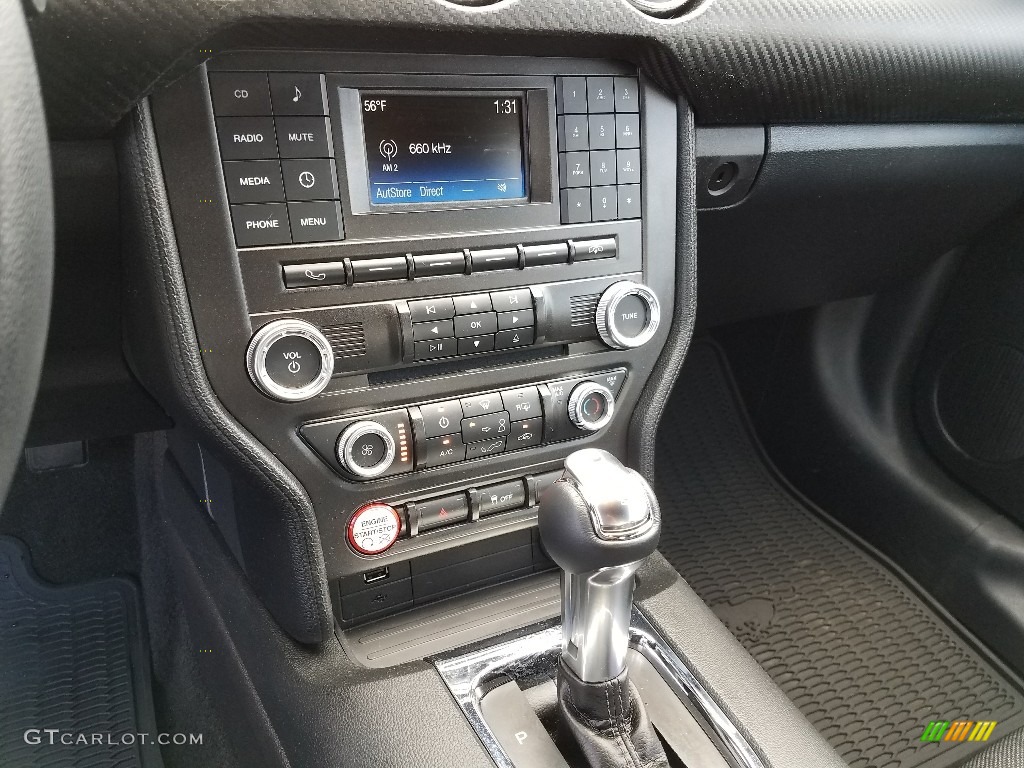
434	148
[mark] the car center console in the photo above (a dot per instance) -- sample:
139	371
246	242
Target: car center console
421	282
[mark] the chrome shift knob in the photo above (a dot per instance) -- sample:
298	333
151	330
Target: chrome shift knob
598	522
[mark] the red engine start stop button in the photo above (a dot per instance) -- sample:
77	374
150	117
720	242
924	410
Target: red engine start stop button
374	528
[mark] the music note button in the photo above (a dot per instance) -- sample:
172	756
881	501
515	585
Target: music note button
298	93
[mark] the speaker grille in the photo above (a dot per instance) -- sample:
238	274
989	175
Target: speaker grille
347	340
582	310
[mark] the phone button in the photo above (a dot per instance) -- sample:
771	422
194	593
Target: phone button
310	275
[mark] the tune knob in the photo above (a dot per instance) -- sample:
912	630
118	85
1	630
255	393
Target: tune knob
628	315
290	360
591	406
366	450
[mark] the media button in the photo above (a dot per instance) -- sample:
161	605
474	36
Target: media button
508	301
265	224
431	309
474	344
494	258
434	264
316	222
309	179
311	275
303	137
253	181
372	270
511	339
239	93
298	93
439	329
441	418
246	138
468	305
475	325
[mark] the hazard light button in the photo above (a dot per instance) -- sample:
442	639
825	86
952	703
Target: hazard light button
374	528
446	510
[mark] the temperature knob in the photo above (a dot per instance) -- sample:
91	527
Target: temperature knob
591	406
366	450
628	315
290	360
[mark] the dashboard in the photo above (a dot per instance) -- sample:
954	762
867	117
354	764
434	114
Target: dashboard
421	282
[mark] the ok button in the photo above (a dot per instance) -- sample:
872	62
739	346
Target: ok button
475	325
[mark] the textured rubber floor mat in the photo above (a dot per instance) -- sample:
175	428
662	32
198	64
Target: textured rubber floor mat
867	661
74	676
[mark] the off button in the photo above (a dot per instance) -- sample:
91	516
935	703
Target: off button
293	362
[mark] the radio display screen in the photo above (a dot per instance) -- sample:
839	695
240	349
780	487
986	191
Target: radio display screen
436	148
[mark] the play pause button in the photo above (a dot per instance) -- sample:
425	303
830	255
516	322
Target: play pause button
427	350
474	344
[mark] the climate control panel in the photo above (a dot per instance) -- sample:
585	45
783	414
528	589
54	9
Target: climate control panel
435	434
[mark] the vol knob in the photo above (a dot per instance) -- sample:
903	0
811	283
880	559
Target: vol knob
290	360
628	315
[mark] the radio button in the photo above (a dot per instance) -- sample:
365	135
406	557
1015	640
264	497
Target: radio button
311	275
522	403
502	497
441	418
513	338
318	222
473	344
520	319
441	329
239	93
481	404
371	270
246	138
486	448
253	181
475	325
526	433
428	350
433	264
438	451
507	301
432	309
468	305
309	179
585	250
541	255
494	258
264	224
303	137
487	427
296	93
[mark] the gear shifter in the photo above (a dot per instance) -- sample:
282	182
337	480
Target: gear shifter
598	522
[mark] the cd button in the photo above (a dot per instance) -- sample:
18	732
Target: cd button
474	344
508	301
370	270
467	305
494	258
506	320
441	418
431	309
297	93
433	264
440	329
239	93
303	137
513	338
476	325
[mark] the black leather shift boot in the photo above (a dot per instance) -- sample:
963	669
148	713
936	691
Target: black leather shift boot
608	722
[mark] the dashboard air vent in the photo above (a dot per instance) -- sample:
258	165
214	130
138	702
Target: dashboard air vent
666	9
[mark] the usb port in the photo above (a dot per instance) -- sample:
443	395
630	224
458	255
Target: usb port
378	574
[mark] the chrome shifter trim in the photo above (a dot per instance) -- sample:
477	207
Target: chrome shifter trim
596	610
536	653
